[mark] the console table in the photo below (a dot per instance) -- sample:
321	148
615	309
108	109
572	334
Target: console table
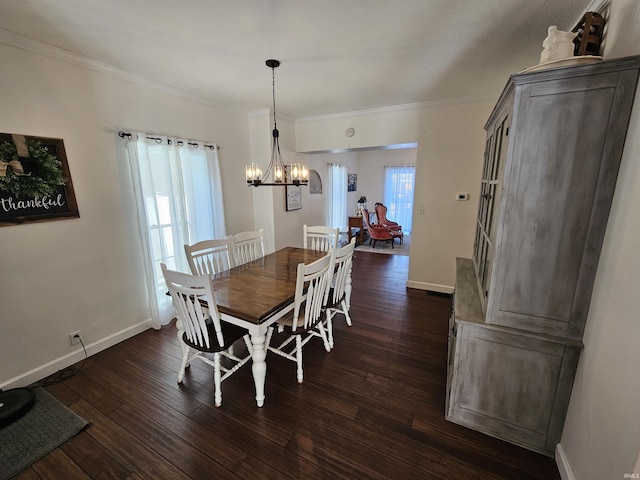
356	222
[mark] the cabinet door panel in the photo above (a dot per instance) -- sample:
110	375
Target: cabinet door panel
510	380
557	197
554	171
508	384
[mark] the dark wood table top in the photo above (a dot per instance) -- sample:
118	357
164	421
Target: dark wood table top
256	290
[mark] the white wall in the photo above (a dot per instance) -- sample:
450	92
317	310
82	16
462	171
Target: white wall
289	223
315	204
282	228
449	158
374	128
370	170
86	274
368	165
319	162
601	436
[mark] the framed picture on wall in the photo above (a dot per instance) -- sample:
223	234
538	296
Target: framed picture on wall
352	182
315	182
35	182
293	197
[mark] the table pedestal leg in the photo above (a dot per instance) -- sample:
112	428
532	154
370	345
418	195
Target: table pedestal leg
259	366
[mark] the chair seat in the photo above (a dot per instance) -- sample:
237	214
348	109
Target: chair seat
397	234
330	302
286	323
231	333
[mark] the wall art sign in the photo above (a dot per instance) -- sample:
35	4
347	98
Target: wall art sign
293	197
35	182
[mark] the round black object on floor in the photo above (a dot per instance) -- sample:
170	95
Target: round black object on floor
14	403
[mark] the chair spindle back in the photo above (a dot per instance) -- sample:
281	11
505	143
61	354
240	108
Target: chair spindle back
320	237
247	246
209	257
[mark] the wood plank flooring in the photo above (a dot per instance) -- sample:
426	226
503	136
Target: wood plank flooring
373	408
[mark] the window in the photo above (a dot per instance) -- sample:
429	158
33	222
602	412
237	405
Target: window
178	200
399	183
337	196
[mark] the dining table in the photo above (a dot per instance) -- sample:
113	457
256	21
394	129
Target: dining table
257	294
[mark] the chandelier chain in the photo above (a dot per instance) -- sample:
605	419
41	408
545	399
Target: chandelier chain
276	172
273	90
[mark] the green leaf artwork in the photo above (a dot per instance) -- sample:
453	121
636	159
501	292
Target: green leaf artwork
44	178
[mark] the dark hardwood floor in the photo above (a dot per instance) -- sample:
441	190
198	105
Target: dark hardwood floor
372	408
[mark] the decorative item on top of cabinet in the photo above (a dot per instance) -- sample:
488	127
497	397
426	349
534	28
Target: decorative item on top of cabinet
554	144
589	34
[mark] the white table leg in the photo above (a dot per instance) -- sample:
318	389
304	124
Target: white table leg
259	366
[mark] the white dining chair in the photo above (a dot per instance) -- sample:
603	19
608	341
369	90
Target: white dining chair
320	237
204	332
307	320
340	292
209	256
247	246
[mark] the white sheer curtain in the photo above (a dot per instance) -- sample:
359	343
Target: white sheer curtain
178	195
399	183
337	196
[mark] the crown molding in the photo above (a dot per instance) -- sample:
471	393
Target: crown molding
259	113
403	108
29	44
397	146
268	112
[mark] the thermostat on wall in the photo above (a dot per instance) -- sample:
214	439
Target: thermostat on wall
462	196
350	131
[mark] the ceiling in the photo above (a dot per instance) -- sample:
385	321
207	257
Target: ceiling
337	55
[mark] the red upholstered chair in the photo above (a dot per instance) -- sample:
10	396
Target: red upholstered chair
379	232
381	214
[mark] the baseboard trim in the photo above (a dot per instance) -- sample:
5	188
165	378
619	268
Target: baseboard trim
563	464
65	361
433	287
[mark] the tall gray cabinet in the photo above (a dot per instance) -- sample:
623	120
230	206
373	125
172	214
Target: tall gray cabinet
553	149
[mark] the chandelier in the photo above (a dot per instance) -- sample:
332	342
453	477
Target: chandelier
276	173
